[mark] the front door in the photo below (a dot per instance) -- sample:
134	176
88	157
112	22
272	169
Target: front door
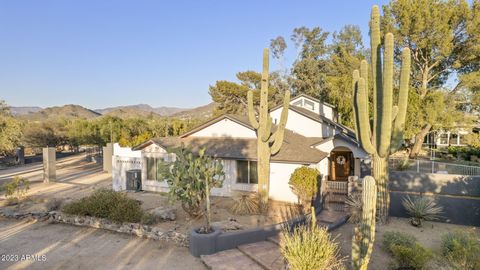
341	165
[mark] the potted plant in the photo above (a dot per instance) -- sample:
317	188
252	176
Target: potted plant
190	178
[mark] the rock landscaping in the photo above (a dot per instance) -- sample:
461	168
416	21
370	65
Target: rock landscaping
137	229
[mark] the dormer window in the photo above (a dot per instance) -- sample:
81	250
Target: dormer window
309	105
298	103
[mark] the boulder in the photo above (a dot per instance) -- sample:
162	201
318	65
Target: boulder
164	213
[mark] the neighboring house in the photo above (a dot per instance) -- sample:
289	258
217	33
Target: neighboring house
312	138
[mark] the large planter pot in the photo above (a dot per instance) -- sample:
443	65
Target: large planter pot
203	243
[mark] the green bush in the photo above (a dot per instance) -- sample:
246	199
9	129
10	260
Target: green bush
106	204
16	188
462	249
422	208
406	251
310	247
391	239
415	257
304	182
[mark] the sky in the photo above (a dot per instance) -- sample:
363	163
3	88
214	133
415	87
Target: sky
163	53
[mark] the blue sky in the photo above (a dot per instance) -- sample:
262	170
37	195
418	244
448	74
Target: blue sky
109	53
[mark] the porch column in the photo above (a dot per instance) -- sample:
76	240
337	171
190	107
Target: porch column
356	167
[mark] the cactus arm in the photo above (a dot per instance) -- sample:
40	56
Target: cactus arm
279	134
251	111
383	148
394	112
356	76
376	61
267	130
364	75
399	124
362	114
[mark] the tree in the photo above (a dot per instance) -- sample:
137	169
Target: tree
443	37
10	130
190	178
346	52
231	97
308	70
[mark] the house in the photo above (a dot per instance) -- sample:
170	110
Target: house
313	137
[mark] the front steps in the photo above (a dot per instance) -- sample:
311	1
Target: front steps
264	254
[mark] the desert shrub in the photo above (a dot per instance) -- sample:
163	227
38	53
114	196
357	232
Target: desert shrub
406	251
16	188
462	249
310	247
53	204
148	219
106	204
391	239
304	182
415	257
245	204
422	208
354	205
402	165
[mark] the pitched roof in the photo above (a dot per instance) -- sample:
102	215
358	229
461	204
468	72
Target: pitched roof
314	99
295	148
322	119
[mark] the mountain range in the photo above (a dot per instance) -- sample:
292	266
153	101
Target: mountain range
72	111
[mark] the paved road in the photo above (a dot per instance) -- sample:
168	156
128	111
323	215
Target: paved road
59	246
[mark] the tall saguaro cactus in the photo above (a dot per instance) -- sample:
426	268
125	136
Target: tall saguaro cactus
388	120
364	235
268	142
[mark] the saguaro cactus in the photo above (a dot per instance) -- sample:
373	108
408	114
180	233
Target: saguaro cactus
268	142
382	140
364	236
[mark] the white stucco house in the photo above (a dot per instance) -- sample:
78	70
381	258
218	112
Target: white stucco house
313	137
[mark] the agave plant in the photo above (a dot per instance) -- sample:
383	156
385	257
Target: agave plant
420	209
353	205
245	204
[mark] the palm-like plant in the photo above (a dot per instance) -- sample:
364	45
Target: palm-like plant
353	205
420	209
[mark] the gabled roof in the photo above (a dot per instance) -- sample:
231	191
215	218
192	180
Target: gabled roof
242	120
322	119
312	98
295	148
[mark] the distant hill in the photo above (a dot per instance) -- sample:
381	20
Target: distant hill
67	112
205	111
17	111
163	111
128	112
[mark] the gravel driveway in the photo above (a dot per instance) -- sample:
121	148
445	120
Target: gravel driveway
39	245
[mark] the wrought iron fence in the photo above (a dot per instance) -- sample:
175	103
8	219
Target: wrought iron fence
432	166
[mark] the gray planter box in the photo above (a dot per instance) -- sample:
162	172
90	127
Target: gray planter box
203	244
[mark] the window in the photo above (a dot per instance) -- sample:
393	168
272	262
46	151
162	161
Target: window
247	172
453	138
309	105
154	166
298	103
443	138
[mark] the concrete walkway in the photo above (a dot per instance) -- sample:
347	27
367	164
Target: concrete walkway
58	246
264	254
